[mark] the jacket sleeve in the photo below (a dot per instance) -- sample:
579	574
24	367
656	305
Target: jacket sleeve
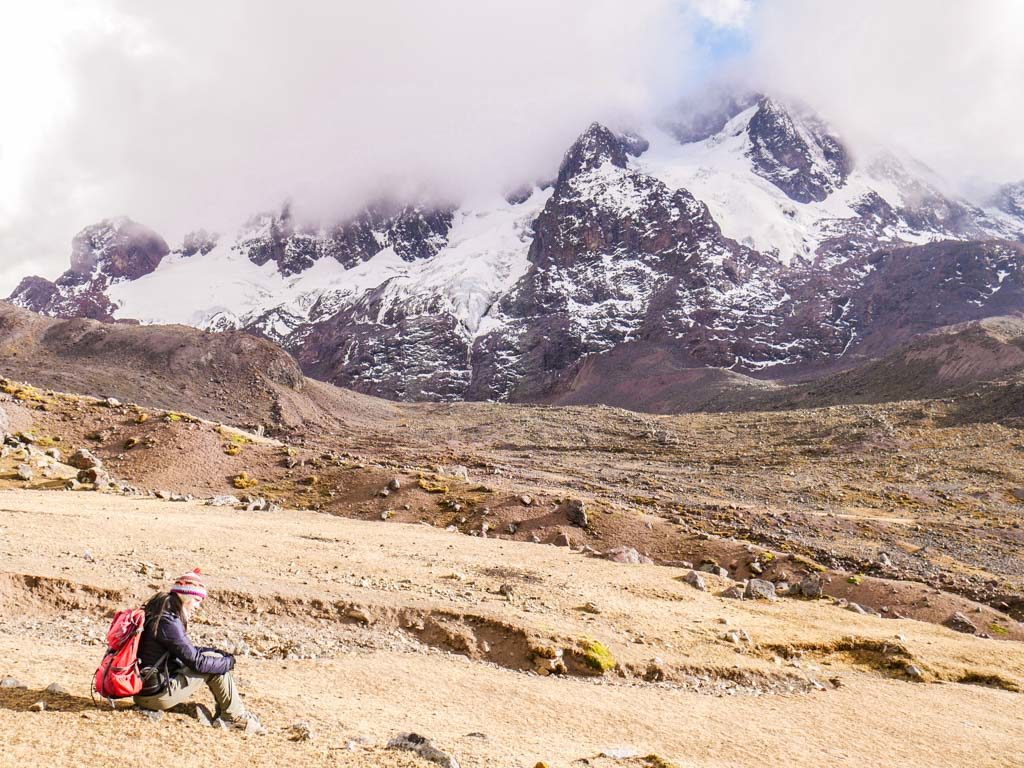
172	636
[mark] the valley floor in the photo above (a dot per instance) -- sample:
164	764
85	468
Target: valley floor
365	630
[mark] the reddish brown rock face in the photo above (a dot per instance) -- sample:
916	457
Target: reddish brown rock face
101	254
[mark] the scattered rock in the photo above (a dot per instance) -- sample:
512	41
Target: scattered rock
812	587
710	566
424	748
83	458
961	623
94	476
627	555
112	402
457	471
695	580
914	673
223	501
562	540
526	501
394	484
759	589
88	556
737	636
359	615
735	592
56	689
39	706
575	512
12	682
301	731
506	589
856	608
153	715
25	472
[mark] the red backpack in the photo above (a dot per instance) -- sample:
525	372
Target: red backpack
119	676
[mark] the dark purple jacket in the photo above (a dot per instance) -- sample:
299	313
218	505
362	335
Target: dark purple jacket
169	639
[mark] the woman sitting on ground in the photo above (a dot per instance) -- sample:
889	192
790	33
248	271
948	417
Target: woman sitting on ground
173	668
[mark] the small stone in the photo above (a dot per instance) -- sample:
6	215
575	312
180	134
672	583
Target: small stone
695	580
25	472
394	484
384	493
88	556
562	540
526	501
735	592
56	689
12	682
856	608
301	731
385	514
512	528
359	615
914	673
39	706
710	566
153	715
506	590
112	402
759	589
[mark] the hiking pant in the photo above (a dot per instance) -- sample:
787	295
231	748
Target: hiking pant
182	686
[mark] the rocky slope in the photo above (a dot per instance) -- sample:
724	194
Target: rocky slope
747	239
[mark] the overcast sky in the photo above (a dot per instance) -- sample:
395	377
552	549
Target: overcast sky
192	114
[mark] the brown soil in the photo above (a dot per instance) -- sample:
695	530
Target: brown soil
363	646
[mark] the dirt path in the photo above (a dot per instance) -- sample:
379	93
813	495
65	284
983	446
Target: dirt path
366	630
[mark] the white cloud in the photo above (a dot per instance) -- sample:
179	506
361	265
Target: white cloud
940	78
197	114
193	114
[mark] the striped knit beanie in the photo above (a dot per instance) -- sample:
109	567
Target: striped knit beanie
190	585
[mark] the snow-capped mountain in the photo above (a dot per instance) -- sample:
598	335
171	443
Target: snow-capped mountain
749	238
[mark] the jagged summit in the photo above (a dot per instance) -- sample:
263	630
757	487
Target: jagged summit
595	147
796	152
744	237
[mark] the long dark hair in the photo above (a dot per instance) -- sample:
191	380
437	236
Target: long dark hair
159	604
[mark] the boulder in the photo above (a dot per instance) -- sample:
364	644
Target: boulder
695	580
961	623
83	458
759	589
423	747
627	555
575	512
811	587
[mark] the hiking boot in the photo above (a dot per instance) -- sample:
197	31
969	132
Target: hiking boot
247	723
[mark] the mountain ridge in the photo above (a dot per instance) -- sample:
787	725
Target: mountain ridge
758	245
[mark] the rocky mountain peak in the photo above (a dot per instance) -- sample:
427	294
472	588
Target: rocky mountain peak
413	231
595	147
119	248
797	152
